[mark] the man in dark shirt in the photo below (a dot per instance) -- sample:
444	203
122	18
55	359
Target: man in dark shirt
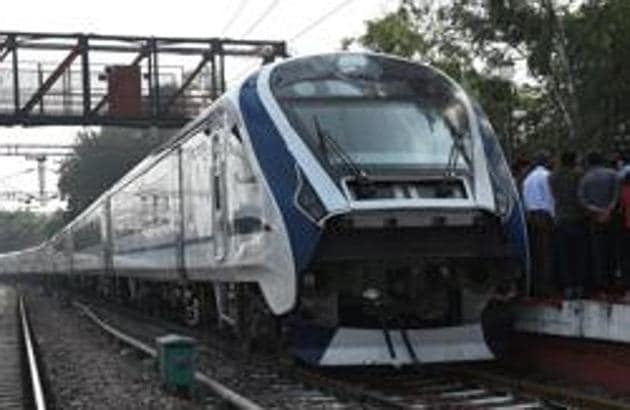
571	232
623	238
598	191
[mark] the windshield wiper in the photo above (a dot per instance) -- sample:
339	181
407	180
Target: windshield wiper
325	140
457	149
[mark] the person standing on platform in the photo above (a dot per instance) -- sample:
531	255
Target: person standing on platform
539	206
571	232
620	163
598	191
624	236
622	226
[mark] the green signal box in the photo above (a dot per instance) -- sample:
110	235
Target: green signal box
176	360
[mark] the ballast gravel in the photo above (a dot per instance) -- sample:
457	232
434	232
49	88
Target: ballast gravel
87	369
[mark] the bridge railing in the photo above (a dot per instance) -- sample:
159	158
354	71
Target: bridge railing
67	79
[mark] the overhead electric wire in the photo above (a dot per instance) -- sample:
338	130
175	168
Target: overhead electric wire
243	72
16	174
261	18
235	15
11	187
297	35
321	19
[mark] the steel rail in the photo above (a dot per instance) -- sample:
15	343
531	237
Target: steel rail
354	391
543	391
220	389
36	382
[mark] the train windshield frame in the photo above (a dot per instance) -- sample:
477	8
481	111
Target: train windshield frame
385	115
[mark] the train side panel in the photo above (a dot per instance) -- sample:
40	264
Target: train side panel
145	222
88	242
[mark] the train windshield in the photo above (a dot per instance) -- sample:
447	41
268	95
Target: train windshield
378	112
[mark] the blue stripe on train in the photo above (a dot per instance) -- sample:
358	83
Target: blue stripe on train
308	341
501	179
278	166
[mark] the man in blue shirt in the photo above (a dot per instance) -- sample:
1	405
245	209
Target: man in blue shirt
539	206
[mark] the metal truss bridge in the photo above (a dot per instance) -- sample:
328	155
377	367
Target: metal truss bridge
32	151
88	79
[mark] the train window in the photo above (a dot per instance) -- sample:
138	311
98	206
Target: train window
244	191
505	190
198	177
383	113
380	132
236	133
58	244
241	165
220	220
247	224
87	234
216	174
497	163
217	194
335	76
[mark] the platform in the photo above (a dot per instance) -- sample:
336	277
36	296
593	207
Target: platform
10	351
586	342
584	318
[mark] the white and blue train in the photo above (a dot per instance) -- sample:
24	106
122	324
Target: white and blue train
361	201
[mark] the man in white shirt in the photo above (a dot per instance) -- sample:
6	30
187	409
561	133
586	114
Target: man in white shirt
539	206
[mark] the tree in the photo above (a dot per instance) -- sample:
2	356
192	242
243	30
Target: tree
575	50
578	50
99	160
508	31
21	229
431	33
598	39
396	33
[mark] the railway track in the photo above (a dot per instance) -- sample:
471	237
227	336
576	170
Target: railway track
465	386
221	371
444	392
21	384
443	389
279	383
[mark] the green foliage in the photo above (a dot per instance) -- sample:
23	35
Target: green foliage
53	223
22	229
423	31
599	43
575	50
396	33
99	160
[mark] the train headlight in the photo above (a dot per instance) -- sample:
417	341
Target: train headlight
308	201
371	294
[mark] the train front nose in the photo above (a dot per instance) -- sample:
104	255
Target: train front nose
384	292
395	174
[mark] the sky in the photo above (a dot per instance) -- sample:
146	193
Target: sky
263	19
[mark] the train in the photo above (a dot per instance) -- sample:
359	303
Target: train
356	206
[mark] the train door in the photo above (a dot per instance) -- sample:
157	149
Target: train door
224	292
219	197
243	192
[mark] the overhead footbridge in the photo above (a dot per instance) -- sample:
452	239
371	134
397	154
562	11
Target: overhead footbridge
89	79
